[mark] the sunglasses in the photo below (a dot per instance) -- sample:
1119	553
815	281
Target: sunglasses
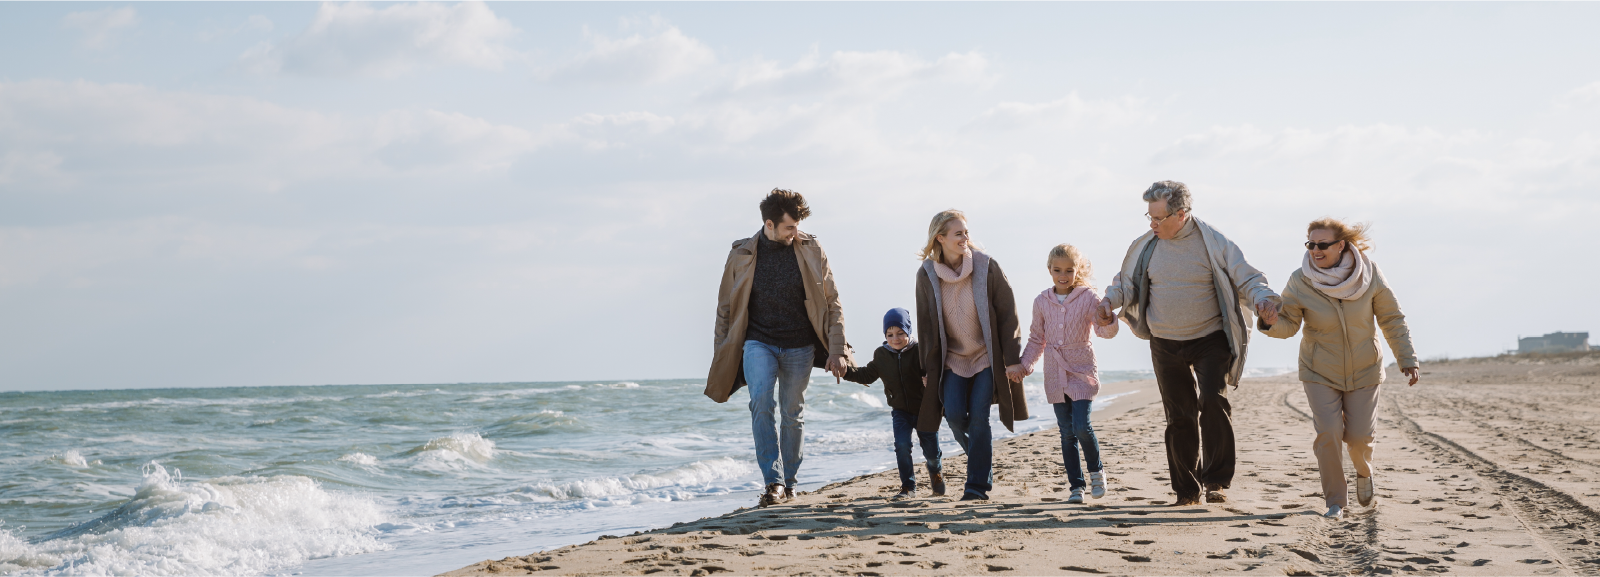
1320	245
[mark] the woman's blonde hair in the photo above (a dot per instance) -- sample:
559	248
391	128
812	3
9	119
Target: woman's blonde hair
933	249
1080	263
1352	234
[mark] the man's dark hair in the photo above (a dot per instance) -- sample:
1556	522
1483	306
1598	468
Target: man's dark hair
780	202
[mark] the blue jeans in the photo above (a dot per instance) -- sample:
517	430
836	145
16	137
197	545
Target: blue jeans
905	424
966	408
777	379
1073	419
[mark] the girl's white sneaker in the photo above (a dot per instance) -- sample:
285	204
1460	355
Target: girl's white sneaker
1334	512
1077	496
1097	483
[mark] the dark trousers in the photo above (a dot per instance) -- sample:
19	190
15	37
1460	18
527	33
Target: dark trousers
1199	415
905	426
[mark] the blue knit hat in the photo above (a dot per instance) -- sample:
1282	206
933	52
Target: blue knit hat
897	318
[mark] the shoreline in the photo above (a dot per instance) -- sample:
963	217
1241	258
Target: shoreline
1450	499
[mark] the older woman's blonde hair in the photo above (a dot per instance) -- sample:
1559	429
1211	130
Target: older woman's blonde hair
1352	234
1080	263
933	249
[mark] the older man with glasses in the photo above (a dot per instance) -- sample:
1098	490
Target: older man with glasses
1187	289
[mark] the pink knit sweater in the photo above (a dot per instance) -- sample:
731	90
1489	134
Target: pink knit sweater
1060	334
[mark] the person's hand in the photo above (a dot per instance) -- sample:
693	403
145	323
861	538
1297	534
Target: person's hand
1016	372
1268	309
1105	316
924	380
836	366
1414	373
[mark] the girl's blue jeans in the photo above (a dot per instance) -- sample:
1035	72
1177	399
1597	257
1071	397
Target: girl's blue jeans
1073	418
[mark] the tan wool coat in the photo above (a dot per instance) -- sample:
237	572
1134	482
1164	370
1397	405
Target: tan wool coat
733	311
1340	347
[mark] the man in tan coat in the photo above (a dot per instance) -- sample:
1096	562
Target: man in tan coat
778	315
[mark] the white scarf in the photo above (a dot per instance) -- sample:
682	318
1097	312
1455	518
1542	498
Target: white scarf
1347	281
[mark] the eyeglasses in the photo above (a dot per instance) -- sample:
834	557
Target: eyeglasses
1320	245
1158	221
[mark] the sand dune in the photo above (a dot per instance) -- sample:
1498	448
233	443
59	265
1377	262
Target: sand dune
1490	467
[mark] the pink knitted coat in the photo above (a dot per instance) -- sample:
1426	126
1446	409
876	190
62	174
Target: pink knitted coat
1060	334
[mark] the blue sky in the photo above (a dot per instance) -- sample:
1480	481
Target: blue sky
221	194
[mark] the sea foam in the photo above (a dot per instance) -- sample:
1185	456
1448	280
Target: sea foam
221	526
672	484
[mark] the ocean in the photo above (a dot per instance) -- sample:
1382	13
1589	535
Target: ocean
393	479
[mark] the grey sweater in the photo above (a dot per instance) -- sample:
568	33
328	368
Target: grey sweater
1183	296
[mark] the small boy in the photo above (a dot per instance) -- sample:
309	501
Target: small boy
896	362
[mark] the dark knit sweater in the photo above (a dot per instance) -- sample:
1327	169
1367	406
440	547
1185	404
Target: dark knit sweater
778	298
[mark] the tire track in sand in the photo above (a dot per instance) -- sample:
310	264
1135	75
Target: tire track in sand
1559	524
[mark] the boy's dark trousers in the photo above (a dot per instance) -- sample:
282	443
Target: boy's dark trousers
904	425
1192	376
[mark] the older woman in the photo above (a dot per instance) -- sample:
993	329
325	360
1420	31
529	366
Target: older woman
967	327
1343	300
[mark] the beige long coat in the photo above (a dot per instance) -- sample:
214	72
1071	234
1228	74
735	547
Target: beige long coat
733	311
1340	348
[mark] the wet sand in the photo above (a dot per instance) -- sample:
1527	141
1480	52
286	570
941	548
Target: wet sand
1489	467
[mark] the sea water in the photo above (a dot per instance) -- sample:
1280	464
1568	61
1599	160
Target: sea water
393	479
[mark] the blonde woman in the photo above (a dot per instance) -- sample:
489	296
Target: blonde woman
1062	318
1343	300
967	325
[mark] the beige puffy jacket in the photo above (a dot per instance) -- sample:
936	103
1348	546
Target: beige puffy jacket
1340	348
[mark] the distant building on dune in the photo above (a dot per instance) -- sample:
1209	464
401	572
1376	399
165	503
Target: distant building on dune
1554	343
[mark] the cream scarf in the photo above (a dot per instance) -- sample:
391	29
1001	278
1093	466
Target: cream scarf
1347	281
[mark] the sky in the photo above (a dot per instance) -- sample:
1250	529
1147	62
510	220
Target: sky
254	194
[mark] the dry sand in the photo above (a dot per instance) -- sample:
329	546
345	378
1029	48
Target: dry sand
1489	467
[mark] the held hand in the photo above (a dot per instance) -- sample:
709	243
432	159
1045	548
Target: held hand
836	367
1414	373
1105	315
1268	310
924	380
1015	372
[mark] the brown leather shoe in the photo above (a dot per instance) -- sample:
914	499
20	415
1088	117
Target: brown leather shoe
788	494
1216	493
772	496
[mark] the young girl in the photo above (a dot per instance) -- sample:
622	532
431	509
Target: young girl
1062	317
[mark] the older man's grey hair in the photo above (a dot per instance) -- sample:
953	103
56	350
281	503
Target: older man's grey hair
1172	191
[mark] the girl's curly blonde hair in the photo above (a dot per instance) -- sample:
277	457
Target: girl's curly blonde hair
1080	263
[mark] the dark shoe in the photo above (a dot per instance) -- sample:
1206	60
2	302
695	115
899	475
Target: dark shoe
974	497
936	483
1216	493
772	496
1186	501
788	493
905	493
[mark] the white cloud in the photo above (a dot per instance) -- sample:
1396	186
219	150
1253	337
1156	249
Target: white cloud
877	74
355	39
1587	96
99	27
664	55
53	132
255	23
1066	113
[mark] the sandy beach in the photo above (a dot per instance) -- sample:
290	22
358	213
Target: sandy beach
1489	467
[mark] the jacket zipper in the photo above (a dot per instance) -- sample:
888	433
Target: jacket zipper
1343	328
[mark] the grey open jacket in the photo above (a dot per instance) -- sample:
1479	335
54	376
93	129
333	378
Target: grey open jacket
1239	287
1002	335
